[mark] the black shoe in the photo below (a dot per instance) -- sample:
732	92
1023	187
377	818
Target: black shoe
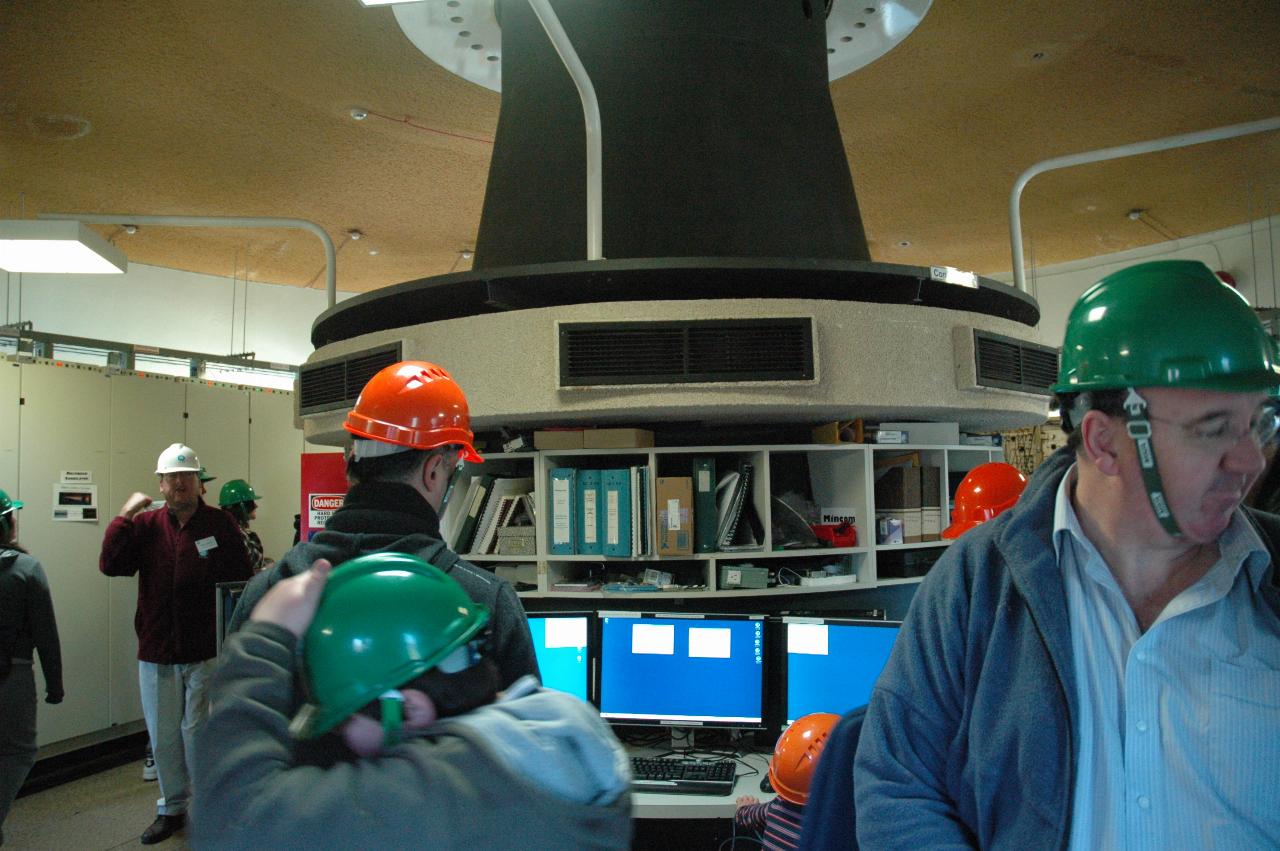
162	828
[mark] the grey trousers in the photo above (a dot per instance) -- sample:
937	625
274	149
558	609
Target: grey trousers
175	703
17	732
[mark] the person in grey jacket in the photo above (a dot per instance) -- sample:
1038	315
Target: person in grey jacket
27	624
1099	666
410	428
431	753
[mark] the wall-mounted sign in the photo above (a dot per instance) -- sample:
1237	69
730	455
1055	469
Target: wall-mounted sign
75	502
324	487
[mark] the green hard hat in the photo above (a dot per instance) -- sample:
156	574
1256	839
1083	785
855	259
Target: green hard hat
7	504
1168	323
383	619
204	476
235	492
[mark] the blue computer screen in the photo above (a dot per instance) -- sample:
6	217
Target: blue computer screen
682	670
560	643
832	665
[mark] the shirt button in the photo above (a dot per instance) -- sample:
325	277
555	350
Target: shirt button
1144	802
1142	657
1142	726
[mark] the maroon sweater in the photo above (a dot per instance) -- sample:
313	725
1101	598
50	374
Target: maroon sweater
175	619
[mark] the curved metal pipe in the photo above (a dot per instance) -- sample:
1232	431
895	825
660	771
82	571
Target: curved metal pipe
591	115
330	254
1167	143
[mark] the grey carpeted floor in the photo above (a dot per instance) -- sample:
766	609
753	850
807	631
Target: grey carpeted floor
99	812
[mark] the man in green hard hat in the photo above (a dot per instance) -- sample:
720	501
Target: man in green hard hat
240	500
395	670
1099	666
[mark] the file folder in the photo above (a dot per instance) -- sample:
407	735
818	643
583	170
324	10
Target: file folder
588	504
616	487
560	507
704	504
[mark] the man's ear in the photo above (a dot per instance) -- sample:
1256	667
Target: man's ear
1103	439
419	709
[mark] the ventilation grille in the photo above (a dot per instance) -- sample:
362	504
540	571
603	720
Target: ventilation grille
334	384
1013	364
596	354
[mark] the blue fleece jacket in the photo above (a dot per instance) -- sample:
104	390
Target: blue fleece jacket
969	739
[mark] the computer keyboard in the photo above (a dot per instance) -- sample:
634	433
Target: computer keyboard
678	775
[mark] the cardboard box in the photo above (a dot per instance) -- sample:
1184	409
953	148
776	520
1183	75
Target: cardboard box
674	515
911	525
899	488
616	438
557	438
927	434
930	524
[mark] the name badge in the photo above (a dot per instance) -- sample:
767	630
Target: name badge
204	545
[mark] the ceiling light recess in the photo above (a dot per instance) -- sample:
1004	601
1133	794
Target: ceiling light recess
57	247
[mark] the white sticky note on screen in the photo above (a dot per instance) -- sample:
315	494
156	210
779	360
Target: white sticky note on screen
710	643
653	638
809	639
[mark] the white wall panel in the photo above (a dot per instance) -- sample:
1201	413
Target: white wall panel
218	430
146	416
64	427
275	468
10	382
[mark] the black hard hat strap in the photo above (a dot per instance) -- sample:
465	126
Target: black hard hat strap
1138	426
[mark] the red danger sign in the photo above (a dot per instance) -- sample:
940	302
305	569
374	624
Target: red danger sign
326	501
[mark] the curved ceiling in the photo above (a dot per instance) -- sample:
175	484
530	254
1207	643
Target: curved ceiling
243	108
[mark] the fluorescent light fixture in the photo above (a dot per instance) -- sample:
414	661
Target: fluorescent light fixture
386	2
57	247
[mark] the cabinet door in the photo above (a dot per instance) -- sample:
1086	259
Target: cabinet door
218	430
62	429
275	450
146	416
10	383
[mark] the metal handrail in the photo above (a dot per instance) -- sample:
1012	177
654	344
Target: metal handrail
591	116
330	254
1164	144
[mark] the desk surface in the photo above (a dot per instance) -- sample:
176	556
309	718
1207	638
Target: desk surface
657	805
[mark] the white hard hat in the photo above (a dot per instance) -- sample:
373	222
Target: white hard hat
178	458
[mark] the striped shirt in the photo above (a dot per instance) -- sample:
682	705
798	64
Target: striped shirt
779	819
1179	727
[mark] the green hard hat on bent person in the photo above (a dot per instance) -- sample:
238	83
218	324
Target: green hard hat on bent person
235	492
8	505
1167	323
383	620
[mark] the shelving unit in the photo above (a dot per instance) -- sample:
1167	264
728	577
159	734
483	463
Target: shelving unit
839	476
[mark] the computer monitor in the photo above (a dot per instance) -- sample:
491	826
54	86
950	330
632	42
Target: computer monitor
682	670
832	664
561	641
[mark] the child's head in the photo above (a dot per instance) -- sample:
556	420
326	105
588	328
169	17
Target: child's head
796	755
393	646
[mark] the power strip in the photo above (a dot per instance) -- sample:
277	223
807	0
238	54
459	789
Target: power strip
847	579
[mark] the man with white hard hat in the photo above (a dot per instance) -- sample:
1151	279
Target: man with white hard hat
179	554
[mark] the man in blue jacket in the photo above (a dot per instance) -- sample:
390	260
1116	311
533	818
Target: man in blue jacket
1099	667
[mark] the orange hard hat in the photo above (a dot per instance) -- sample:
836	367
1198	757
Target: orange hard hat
986	491
414	404
796	755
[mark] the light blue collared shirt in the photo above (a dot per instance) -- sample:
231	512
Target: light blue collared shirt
1179	727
